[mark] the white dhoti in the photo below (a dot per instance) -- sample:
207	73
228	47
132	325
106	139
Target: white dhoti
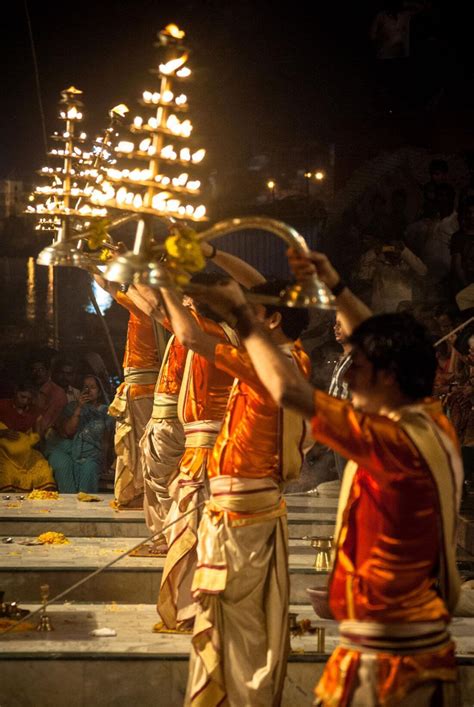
162	446
132	415
188	490
241	638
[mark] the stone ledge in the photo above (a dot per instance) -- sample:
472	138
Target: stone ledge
465	532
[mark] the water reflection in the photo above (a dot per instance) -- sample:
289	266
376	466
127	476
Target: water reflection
50	305
31	294
30	291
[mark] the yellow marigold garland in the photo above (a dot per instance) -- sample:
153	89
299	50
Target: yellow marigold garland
38	495
184	254
53	538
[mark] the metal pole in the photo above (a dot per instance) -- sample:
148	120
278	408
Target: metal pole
117	365
56	308
454	331
100	570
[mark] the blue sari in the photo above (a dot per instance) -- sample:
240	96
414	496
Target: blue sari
78	462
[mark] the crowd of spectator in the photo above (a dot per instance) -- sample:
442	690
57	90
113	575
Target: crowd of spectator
425	266
55	432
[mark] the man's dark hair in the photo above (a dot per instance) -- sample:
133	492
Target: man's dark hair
399	344
438	166
207	278
294	320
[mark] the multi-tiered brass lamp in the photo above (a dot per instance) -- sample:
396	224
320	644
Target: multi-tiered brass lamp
155	177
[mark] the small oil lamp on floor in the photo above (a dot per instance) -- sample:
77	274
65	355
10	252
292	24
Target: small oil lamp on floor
44	622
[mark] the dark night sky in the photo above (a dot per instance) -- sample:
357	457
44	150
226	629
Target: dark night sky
261	74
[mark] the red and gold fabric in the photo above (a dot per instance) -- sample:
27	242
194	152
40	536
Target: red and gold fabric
18	420
394	559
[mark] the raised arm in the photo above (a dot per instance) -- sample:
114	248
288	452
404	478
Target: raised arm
351	309
147	301
283	381
241	271
185	326
279	375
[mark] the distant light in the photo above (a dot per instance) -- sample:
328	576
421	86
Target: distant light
103	299
271	184
319	176
308	175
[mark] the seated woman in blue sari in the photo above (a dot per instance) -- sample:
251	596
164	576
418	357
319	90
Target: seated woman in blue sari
78	459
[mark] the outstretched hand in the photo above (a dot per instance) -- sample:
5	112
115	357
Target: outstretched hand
304	267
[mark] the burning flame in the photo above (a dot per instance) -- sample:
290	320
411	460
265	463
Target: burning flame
173	65
174	31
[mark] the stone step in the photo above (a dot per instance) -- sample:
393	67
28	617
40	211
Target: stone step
69	666
307	515
466	531
24	568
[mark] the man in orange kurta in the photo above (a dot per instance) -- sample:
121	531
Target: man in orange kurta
201	405
133	402
240	639
394	582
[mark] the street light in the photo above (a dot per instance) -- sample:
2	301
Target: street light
319	176
271	184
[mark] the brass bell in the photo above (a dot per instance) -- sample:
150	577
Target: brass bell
323	548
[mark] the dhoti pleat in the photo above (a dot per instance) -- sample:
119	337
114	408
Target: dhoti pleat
129	429
241	639
189	489
162	447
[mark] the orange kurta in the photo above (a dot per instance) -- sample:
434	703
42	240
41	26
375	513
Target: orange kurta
249	443
133	402
241	637
171	375
141	351
386	563
205	399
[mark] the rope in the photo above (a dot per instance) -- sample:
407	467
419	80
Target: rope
99	570
87	578
37	78
454	331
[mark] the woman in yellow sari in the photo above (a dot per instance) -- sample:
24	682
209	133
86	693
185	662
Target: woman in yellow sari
22	468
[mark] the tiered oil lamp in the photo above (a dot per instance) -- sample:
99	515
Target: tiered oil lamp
57	199
63	205
157	180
